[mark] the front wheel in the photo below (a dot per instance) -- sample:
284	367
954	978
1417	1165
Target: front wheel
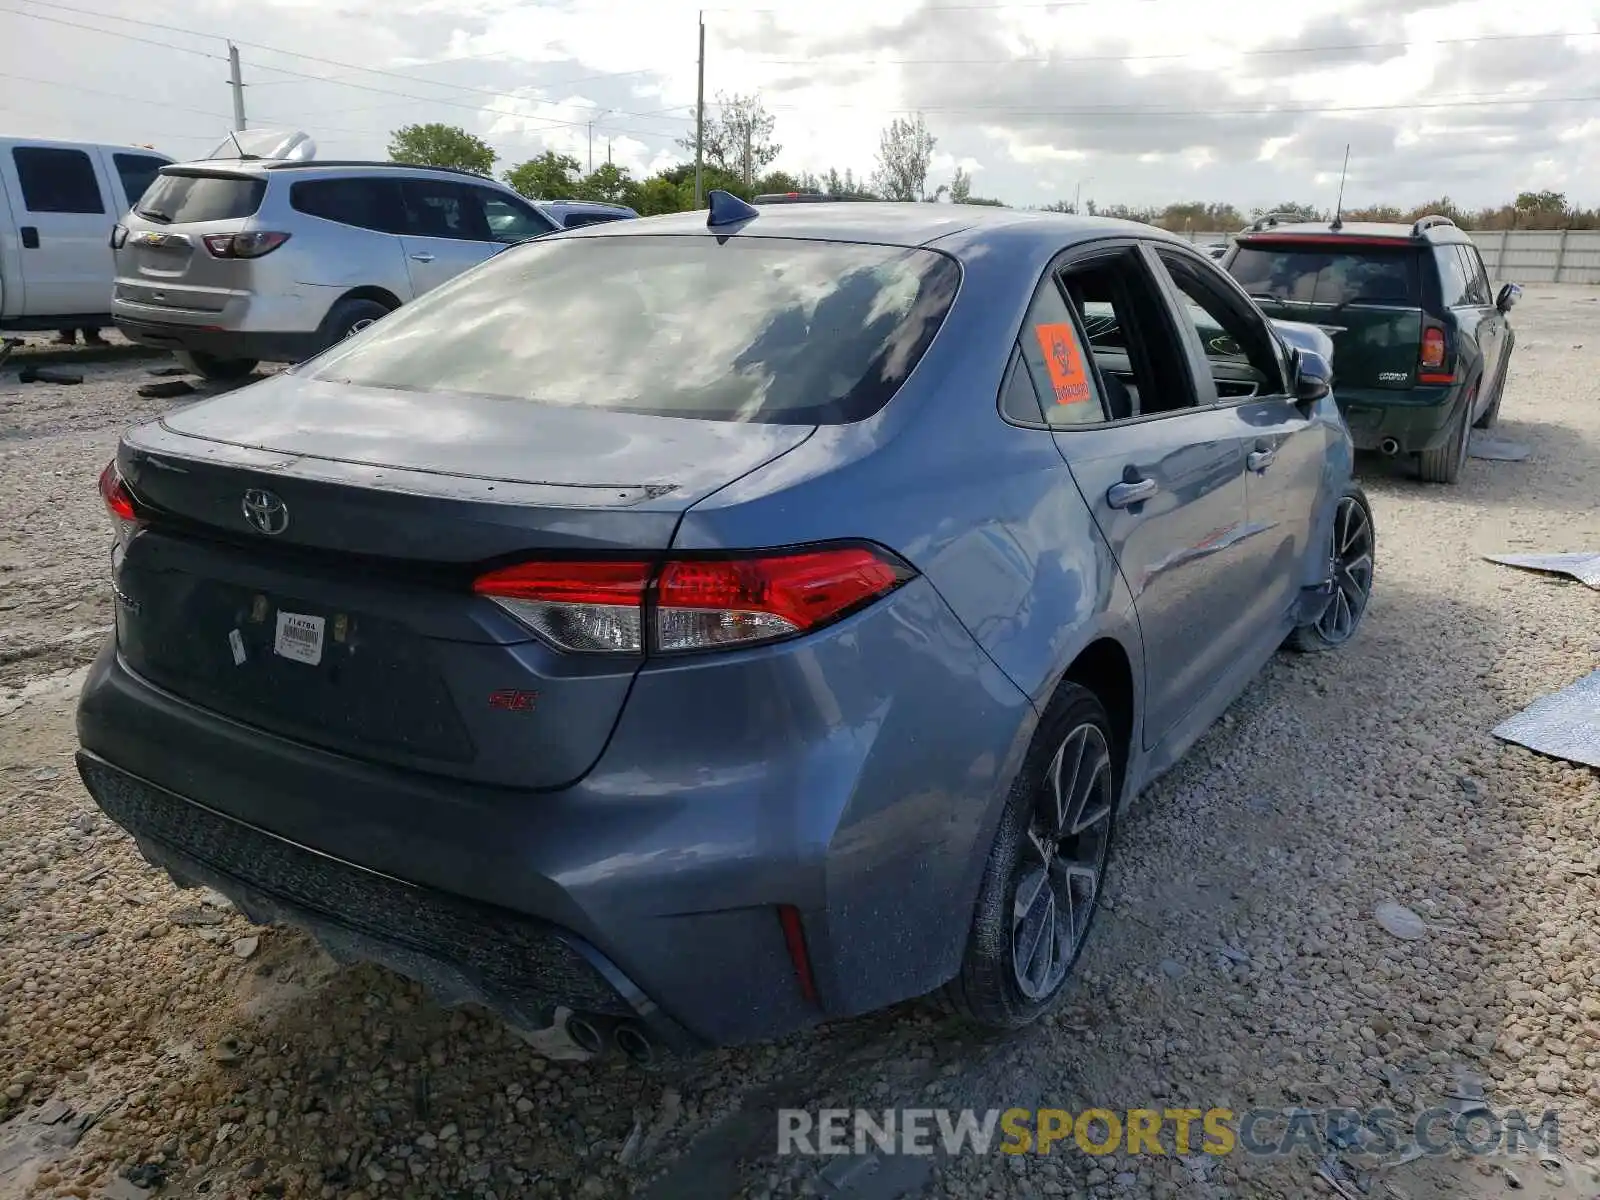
1046	869
348	318
1351	559
209	366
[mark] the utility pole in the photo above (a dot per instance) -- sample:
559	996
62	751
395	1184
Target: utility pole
748	170
237	80
598	116
608	152
700	117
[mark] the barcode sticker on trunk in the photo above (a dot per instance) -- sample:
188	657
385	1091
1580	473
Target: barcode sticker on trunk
299	637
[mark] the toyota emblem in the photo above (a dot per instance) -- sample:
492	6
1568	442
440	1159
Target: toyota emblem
265	511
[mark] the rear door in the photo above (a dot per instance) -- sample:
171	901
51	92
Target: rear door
1479	324
1162	473
1366	293
447	231
64	228
1285	450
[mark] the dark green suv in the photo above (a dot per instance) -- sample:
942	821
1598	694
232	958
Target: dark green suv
1421	343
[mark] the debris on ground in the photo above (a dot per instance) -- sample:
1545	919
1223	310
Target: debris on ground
48	375
168	371
1400	921
1497	449
1583	565
165	391
1565	724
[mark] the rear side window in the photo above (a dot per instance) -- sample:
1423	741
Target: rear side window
363	203
57	181
1056	355
438	208
185	199
510	221
755	329
137	172
1328	275
1453	282
1478	289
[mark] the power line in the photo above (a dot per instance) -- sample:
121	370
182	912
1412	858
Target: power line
478	108
329	62
113	33
1112	111
112	95
1330	49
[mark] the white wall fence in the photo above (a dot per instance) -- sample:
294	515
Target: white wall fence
1520	255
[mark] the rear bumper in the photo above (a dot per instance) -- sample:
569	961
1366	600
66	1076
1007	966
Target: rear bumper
1418	418
854	775
218	342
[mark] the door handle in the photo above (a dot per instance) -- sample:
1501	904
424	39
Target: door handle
1131	491
1260	460
30	237
422	257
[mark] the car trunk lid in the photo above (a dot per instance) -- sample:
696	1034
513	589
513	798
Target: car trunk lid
164	261
308	561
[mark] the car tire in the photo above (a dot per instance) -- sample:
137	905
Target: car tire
1443	465
1354	537
350	317
209	366
1492	414
1001	984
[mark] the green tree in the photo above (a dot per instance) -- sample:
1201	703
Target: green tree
777	182
607	183
658	194
832	183
551	176
1542	202
441	146
905	151
738	139
961	187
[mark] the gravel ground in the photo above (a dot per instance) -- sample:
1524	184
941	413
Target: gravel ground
151	1039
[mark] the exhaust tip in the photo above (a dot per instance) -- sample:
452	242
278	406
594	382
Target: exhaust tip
585	1036
636	1044
1389	446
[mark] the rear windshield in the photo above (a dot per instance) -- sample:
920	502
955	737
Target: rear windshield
1328	275
183	199
749	329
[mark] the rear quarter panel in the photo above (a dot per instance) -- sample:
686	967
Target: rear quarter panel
989	515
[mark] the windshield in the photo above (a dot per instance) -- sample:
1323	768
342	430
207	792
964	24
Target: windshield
1309	275
738	329
194	198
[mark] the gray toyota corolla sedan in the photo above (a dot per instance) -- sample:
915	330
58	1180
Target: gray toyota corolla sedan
706	626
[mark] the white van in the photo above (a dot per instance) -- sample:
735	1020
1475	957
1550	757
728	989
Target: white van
58	204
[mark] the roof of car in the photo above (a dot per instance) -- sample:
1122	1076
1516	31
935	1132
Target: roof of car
252	165
887	224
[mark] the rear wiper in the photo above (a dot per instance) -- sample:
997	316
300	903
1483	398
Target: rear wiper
154	214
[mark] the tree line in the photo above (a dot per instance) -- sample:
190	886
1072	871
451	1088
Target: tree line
739	150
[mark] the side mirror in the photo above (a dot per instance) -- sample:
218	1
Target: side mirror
1508	297
1313	376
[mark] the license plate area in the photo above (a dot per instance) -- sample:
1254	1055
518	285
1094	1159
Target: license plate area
346	680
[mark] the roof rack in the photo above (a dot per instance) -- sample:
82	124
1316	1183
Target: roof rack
1268	220
313	164
1429	222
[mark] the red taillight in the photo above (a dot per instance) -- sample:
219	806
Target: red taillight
1433	348
715	602
692	603
119	500
243	245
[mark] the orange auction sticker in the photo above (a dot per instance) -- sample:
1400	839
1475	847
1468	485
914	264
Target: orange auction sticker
1064	360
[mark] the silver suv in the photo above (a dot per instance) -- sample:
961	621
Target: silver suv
231	263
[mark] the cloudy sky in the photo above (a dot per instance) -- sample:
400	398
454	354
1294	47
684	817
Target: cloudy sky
1135	101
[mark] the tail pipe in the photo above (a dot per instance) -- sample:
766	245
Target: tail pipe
636	1044
586	1035
1389	446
